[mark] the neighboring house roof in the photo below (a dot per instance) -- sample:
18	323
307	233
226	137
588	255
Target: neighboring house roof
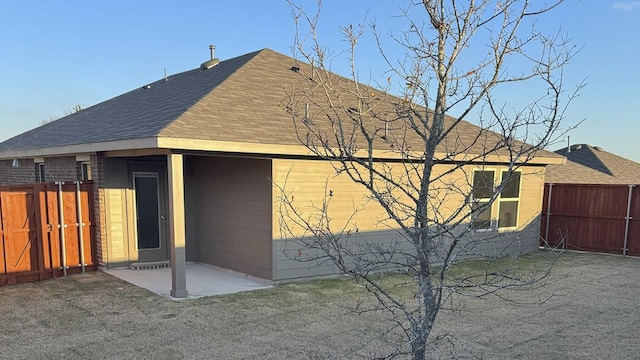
238	105
588	164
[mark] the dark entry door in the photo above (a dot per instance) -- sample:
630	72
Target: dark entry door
150	213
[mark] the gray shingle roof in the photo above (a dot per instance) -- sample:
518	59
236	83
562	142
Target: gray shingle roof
588	164
240	100
140	113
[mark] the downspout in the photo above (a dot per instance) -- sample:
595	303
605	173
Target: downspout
546	228
628	218
62	226
81	224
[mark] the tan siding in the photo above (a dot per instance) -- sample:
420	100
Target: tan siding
531	192
116	226
116	212
309	181
233	213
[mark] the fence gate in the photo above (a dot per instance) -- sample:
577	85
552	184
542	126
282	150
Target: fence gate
45	231
20	232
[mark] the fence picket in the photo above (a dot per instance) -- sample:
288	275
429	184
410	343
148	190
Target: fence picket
600	218
3	268
29	233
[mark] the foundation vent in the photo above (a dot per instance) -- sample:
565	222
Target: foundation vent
151	265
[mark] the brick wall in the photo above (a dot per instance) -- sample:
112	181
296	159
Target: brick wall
60	169
24	173
55	169
100	216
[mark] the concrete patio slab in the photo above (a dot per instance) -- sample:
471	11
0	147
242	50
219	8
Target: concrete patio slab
202	280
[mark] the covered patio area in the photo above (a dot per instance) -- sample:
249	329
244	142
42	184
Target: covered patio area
185	209
201	280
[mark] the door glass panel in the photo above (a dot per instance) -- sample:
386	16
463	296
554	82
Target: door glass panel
148	217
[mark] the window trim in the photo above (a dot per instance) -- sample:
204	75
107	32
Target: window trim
40	172
81	166
484	200
494	224
499	200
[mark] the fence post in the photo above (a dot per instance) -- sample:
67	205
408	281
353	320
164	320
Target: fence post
546	228
62	227
3	267
628	218
80	223
39	204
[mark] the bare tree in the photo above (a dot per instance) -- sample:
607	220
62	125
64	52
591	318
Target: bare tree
415	162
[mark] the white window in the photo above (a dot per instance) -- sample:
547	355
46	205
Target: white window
482	191
507	202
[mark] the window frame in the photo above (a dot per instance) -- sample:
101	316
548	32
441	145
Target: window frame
483	200
494	209
40	172
517	199
84	170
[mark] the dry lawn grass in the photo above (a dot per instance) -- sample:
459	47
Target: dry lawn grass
593	314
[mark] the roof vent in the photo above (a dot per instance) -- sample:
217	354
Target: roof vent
212	62
598	148
295	69
577	147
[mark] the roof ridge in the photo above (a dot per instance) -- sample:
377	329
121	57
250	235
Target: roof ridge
606	169
181	119
618	165
584	154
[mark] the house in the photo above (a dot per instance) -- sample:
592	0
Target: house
588	164
188	168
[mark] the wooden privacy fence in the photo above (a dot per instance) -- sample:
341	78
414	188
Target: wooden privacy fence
45	231
601	218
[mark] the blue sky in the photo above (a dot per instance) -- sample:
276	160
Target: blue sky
58	54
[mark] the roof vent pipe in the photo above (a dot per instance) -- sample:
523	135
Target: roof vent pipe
568	144
212	62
